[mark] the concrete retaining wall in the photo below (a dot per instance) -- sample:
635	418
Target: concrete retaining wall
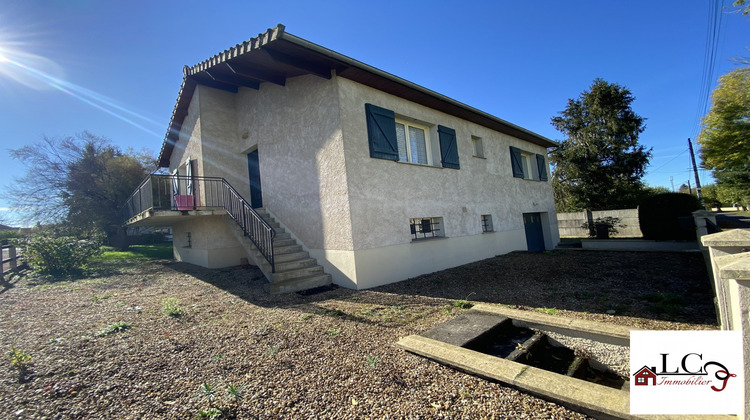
570	223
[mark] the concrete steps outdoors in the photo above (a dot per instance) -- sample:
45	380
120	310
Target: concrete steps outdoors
295	270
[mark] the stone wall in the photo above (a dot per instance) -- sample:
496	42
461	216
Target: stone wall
570	223
730	265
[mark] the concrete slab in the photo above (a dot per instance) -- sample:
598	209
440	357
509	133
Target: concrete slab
730	238
599	331
596	400
637	245
465	328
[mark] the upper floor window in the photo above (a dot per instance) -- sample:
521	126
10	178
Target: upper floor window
478	146
404	141
528	165
413	143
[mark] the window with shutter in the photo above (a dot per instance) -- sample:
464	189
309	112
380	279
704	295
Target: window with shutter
381	132
448	148
542	166
516	162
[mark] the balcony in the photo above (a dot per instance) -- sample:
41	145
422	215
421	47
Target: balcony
162	200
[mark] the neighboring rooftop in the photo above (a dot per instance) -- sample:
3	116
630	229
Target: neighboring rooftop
276	55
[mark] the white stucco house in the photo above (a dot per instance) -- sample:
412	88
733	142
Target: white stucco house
319	168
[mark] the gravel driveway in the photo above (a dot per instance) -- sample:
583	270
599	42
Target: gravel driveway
327	355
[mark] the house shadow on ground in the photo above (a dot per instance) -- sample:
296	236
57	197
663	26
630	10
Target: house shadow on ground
671	286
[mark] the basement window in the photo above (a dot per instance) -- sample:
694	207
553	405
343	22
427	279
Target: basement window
426	227
487	223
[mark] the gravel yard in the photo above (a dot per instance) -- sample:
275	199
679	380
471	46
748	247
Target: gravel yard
327	355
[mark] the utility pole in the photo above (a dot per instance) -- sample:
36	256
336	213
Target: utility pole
695	171
671	180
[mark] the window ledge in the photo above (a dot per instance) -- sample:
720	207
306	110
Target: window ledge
480	157
428	239
418	164
489	231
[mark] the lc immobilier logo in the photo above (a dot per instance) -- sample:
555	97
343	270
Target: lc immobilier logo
686	372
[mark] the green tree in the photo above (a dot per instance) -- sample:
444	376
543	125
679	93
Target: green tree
82	180
710	194
742	6
600	164
725	137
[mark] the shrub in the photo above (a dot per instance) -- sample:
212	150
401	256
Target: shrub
53	252
19	359
668	216
171	307
612	223
114	328
7	234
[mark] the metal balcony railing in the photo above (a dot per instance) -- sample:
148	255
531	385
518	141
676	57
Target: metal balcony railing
177	192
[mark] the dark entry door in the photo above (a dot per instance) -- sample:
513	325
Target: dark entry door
532	222
253	168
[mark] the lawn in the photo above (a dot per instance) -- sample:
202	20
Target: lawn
137	337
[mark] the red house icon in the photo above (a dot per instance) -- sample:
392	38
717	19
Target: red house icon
643	375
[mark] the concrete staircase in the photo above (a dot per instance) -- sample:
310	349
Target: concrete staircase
295	270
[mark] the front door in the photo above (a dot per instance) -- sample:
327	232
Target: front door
532	222
253	168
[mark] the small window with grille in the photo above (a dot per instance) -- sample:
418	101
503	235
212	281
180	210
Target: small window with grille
426	227
487	223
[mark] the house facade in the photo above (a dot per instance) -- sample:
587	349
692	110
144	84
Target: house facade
377	179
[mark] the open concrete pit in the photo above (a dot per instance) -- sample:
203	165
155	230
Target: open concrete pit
583	365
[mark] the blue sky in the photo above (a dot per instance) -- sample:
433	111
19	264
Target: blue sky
114	68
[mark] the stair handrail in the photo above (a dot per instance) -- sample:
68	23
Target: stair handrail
260	233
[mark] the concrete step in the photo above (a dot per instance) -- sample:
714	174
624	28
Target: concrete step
290	256
278	243
295	264
281	276
286	249
283	235
299	284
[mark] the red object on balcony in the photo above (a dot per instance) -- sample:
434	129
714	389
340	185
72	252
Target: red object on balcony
184	202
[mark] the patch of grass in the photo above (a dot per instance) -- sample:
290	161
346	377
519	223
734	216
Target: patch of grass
333	331
372	361
207	391
335	312
135	252
548	311
19	359
171	307
368	312
98	299
306	316
666	303
114	328
273	350
235	392
210	413
462	304
217	357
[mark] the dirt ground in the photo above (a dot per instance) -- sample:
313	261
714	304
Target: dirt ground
326	355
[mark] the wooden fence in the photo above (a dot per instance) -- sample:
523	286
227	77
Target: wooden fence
9	264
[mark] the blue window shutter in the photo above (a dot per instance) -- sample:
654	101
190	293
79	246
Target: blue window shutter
515	162
448	148
381	132
542	167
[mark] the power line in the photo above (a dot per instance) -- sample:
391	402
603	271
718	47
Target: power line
713	38
668	162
